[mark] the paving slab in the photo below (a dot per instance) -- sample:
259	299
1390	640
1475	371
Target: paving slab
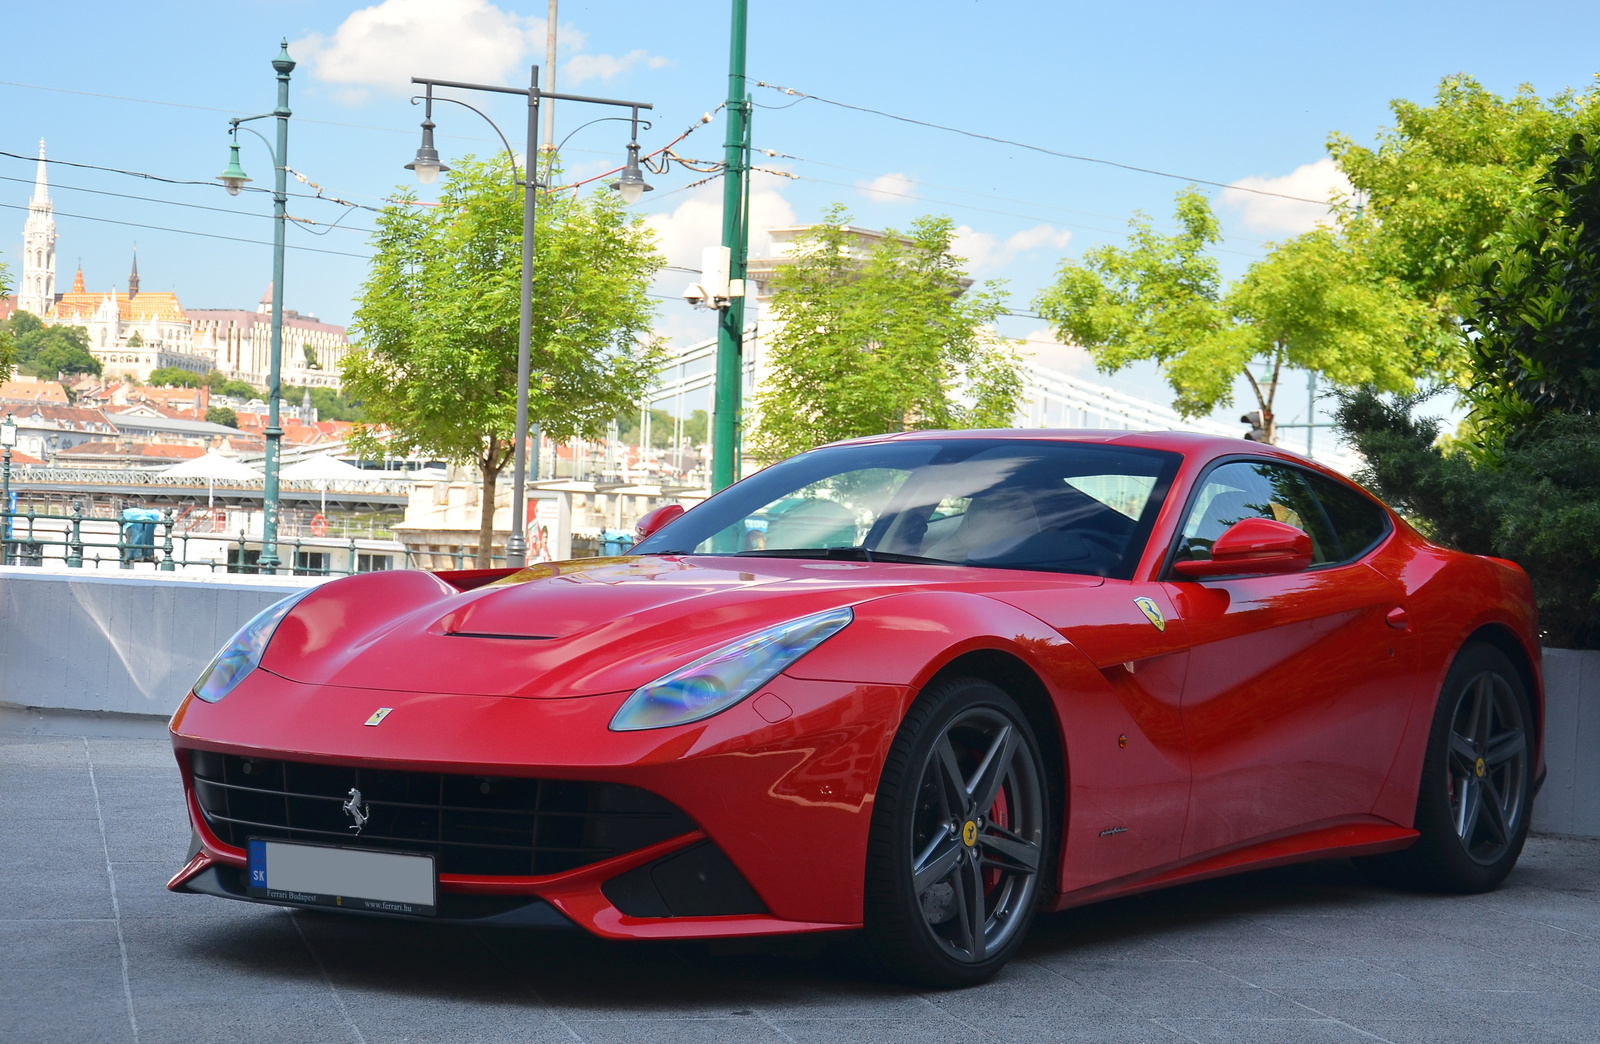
1307	953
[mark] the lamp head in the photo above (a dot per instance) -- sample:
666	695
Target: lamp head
631	185
234	178
427	165
8	432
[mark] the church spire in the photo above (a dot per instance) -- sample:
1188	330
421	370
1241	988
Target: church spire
41	184
133	276
77	282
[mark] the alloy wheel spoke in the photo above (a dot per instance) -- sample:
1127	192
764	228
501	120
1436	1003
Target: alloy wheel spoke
1463	748
986	782
972	874
936	865
1493	812
1504	747
1007	851
1467	816
1482	711
963	885
952	787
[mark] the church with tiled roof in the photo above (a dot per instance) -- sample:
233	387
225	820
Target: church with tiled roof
132	333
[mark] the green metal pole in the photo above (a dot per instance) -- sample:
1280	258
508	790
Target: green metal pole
730	329
280	199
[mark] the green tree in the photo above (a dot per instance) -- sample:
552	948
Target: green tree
8	346
222	415
1536	314
45	351
330	404
1436	188
135	340
889	341
438	316
1309	304
174	377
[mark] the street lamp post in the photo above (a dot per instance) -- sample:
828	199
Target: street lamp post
8	438
233	178
630	185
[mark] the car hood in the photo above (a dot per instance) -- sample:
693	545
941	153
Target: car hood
565	629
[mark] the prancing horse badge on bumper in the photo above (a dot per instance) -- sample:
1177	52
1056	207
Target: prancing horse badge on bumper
1152	612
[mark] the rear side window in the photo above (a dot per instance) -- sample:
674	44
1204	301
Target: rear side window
1358	523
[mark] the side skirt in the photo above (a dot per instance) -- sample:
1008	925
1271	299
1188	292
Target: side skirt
1328	841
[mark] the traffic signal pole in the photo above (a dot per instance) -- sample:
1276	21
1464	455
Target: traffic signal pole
727	408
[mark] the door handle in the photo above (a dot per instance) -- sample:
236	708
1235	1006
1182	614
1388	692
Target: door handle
1398	619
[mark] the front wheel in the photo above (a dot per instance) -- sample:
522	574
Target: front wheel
960	835
1476	796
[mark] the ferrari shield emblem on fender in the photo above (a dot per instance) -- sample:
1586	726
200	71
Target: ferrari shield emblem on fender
378	715
1152	612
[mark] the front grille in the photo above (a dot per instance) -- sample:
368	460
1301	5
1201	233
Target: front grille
478	825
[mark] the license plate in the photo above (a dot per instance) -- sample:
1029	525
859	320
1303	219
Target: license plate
348	878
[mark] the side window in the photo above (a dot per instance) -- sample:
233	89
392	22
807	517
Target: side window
1358	523
1254	489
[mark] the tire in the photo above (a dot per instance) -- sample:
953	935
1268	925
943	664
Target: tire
1476	795
961	835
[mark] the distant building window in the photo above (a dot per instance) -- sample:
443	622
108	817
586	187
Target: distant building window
310	563
366	563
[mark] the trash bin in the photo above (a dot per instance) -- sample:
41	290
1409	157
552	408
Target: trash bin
616	542
139	535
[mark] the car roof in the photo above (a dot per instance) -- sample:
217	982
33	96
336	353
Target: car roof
1193	446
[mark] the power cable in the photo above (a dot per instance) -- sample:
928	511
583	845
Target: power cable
190	232
1034	148
178	203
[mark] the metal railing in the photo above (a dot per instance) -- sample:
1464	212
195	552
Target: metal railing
29	538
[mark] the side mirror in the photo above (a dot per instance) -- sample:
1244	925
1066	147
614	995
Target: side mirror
658	519
1252	547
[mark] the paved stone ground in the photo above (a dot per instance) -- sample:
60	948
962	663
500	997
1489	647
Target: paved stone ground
93	948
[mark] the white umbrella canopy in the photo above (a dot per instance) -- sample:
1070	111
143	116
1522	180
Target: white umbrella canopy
323	467
212	466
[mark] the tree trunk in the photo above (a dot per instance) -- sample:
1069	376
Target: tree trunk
489	467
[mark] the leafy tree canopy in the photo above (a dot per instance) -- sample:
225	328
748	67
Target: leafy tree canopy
175	377
222	415
45	351
888	341
438	316
1436	189
330	404
1536	313
8	348
1309	304
663	428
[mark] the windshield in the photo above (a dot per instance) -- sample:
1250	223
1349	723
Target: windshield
1002	503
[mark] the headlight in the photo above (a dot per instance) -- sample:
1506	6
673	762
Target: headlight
716	682
243	652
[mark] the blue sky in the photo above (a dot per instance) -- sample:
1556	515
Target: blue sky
1221	92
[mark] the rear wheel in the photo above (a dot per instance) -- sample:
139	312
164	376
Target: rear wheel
1476	796
960	833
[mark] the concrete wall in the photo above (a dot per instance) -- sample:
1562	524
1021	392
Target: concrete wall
120	642
1570	800
129	643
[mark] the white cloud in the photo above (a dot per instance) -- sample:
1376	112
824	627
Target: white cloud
383	46
1048	351
889	188
983	250
696	223
605	67
1276	215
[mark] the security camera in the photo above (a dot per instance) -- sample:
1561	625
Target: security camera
696	295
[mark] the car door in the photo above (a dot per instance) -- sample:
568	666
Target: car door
1298	685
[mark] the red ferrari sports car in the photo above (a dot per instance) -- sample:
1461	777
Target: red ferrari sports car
921	686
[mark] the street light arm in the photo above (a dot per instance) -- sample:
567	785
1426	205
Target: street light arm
270	150
509	154
533	92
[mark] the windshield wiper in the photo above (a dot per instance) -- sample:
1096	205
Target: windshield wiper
854	554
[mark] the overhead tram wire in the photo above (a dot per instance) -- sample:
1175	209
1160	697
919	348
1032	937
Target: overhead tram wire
146	176
180	203
802	96
191	232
